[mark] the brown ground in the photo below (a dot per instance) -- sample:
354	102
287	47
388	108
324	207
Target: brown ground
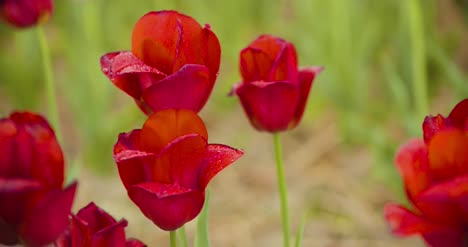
329	181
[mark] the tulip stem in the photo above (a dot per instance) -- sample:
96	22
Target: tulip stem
183	236
283	192
173	237
49	81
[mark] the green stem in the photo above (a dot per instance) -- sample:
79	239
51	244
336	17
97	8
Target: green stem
283	192
183	236
418	57
49	81
173	237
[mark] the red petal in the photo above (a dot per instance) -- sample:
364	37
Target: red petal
8	132
8	233
13	186
218	157
412	163
189	46
168	206
38	154
404	222
79	232
188	88
447	154
212	53
284	67
134	166
269	44
25	13
134	243
446	202
49	218
306	78
96	218
181	161
459	114
128	141
446	238
113	235
269	106
255	65
129	73
432	125
166	125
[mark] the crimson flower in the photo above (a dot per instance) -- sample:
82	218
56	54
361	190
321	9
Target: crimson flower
34	208
435	174
25	13
174	63
166	166
94	227
273	92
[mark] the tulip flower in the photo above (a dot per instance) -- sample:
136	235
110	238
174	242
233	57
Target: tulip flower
34	207
174	63
273	92
93	227
435	174
25	13
166	166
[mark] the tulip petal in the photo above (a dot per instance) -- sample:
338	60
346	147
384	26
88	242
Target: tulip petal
112	235
447	154
25	13
306	79
432	125
95	217
269	106
413	165
168	206
182	160
403	222
8	234
284	68
8	132
18	185
128	141
446	202
134	166
446	238
218	157
131	242
80	233
255	64
459	114
38	153
49	218
212	53
188	88
129	73
166	125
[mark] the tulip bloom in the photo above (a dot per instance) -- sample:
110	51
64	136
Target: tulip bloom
25	13
34	207
166	166
435	173
93	227
273	92
174	63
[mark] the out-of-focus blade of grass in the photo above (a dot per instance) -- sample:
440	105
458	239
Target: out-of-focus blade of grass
201	236
300	231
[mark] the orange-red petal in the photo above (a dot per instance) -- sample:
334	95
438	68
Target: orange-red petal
218	157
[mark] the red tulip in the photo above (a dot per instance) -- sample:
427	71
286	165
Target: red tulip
435	174
25	13
173	64
166	166
273	91
34	207
93	227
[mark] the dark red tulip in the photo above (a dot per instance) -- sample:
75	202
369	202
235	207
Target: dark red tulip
34	206
435	173
93	227
273	92
166	166
173	64
25	13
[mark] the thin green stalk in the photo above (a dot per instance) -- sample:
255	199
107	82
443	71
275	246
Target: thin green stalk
418	56
283	192
173	237
49	82
183	236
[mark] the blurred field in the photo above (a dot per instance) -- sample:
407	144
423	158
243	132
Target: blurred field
387	64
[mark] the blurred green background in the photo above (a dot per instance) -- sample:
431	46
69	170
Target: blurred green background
388	63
